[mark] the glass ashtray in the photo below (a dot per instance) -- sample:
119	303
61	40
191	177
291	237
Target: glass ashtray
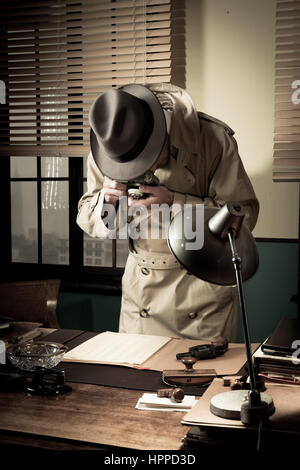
29	355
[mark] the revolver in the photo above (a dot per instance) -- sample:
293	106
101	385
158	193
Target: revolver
217	347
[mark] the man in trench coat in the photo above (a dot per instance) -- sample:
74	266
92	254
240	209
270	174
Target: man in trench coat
196	160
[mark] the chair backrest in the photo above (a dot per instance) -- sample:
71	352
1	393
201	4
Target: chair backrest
33	301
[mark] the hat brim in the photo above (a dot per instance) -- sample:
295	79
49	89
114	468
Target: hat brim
124	171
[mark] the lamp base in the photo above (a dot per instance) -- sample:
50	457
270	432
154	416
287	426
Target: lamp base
237	404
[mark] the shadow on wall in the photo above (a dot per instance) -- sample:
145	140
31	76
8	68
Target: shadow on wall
268	294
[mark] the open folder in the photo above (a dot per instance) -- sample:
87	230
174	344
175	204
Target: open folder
152	352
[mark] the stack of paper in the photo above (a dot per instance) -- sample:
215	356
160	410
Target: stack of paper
278	364
151	402
117	348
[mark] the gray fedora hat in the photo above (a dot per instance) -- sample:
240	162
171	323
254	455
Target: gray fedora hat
128	131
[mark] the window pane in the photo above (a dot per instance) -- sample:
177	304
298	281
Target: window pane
55	222
97	252
54	167
122	253
23	167
24	221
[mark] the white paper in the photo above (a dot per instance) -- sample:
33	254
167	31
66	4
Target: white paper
151	402
110	347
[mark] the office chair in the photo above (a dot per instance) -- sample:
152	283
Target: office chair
32	301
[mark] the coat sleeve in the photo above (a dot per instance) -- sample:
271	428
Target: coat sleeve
220	173
91	206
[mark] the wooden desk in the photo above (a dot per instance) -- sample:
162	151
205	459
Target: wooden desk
91	416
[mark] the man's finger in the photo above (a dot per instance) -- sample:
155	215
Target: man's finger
146	202
108	183
150	189
115	192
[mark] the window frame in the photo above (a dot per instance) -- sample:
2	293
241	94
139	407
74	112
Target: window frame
74	276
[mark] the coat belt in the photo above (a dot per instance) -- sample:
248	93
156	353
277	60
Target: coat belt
155	260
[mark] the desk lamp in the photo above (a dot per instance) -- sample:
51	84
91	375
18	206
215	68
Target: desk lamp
228	257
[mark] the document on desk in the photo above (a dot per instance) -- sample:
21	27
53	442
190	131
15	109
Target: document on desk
152	352
117	348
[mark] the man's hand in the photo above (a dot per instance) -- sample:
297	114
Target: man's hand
113	190
156	195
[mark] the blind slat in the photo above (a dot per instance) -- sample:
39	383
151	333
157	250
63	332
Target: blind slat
63	16
110	44
290	72
294	113
105	79
287	56
96	60
286	153
111	49
288	122
288	5
45	150
287	130
15	4
290	13
90	71
287	138
286	145
288	177
293	39
95	84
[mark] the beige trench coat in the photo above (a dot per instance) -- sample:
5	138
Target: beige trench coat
158	296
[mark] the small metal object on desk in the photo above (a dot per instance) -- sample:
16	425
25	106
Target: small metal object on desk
189	363
236	385
176	394
189	375
49	382
226	382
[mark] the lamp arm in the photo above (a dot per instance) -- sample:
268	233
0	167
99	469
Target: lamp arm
237	266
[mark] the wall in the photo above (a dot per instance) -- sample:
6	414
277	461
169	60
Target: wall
230	75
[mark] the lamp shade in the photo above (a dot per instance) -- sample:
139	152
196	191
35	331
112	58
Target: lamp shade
213	262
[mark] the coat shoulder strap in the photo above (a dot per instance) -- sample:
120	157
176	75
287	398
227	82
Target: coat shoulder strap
207	117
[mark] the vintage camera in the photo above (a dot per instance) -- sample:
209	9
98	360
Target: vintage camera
133	186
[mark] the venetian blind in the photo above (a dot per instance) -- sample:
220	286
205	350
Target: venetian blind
287	92
58	55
